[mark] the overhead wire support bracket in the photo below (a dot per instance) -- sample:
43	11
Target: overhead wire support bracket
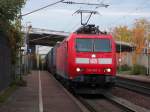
80	3
86	11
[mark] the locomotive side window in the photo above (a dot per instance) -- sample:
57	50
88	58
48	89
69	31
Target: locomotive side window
102	45
84	45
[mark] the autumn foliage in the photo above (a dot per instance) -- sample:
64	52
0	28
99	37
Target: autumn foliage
122	33
138	35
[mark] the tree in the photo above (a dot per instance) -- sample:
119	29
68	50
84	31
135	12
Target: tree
122	33
140	34
9	23
9	9
136	35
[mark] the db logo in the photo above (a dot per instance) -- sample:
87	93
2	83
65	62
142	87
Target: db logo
93	61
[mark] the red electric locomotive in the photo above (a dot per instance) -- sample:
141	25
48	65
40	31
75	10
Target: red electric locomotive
87	58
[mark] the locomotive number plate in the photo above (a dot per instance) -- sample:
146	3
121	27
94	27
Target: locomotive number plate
93	61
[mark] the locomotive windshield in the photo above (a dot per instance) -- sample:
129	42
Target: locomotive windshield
84	45
102	45
93	45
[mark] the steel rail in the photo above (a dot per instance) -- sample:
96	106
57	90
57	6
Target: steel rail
128	84
87	105
121	103
130	107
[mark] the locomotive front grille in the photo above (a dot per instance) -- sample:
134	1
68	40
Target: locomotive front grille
93	78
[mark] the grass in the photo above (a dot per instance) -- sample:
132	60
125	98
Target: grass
134	70
124	72
123	69
138	70
4	95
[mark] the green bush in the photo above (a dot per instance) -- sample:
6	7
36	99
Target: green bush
138	69
19	82
124	68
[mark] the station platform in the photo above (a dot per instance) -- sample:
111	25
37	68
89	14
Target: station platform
42	94
140	78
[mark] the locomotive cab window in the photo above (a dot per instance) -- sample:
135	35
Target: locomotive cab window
84	45
93	45
102	45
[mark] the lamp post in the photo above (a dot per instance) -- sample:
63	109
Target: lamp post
147	48
120	59
21	68
147	44
28	28
20	50
38	57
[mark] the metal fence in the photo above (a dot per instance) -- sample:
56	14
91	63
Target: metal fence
131	58
6	75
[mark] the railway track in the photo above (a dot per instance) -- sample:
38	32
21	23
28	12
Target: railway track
130	107
134	86
88	105
122	104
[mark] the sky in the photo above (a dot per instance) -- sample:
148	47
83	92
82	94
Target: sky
60	17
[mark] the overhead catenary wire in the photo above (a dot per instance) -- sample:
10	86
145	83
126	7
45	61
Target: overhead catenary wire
63	1
41	8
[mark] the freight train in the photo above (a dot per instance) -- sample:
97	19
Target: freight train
86	59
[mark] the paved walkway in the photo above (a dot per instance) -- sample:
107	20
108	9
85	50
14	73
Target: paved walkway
42	94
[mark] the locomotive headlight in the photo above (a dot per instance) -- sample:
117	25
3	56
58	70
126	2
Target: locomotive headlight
93	56
107	70
78	69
